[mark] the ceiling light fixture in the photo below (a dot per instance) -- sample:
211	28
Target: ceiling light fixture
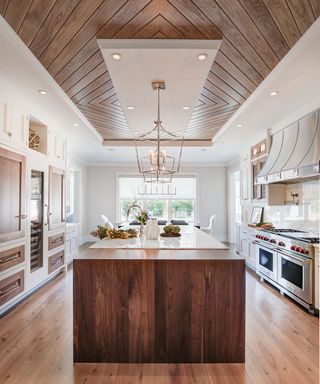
130	107
116	56
186	108
42	91
75	124
202	56
239	125
158	166
274	93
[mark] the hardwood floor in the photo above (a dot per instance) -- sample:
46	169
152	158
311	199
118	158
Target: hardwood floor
36	345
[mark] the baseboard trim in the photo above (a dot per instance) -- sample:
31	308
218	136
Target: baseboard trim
87	239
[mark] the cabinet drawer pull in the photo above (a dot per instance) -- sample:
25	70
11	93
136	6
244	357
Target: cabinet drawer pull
9	288
57	240
9	258
57	261
21	217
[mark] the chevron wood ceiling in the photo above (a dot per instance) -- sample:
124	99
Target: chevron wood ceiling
256	34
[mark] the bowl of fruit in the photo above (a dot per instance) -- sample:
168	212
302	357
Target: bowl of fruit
171	231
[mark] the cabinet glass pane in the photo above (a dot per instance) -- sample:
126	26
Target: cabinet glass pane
36	214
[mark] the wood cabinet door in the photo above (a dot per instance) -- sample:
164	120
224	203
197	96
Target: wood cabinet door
12	195
56	211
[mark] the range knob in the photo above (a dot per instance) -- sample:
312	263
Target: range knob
266	238
302	250
298	249
258	236
273	241
293	248
281	244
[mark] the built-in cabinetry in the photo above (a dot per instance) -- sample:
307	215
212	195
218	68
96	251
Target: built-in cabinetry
32	185
14	123
12	195
56	209
245	180
316	276
247	245
36	220
72	241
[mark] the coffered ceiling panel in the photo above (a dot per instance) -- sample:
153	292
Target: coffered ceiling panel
256	34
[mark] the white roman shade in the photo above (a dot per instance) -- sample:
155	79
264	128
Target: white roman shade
186	188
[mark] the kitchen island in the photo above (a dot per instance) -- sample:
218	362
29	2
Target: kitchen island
172	300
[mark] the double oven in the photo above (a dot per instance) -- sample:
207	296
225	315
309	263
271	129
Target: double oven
287	266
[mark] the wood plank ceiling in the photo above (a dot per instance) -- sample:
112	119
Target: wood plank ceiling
256	34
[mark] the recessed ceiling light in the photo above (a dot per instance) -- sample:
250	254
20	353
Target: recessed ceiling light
42	91
274	93
239	125
203	149
186	108
111	149
202	56
130	107
219	142
136	132
109	158
116	56
75	124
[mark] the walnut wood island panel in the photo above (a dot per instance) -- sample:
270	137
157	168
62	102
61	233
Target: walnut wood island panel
159	306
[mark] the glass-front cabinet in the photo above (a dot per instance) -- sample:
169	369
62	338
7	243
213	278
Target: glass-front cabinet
36	220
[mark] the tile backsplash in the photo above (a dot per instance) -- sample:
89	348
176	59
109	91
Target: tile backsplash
304	216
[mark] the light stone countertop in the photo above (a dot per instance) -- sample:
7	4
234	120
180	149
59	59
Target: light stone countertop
191	238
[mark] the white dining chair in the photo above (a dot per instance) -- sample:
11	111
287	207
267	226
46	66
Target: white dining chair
106	221
209	229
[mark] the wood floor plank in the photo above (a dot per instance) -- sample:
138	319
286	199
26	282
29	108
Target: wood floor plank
282	342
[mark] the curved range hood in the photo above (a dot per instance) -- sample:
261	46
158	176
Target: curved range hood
294	152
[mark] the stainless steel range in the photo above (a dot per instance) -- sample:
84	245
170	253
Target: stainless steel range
285	258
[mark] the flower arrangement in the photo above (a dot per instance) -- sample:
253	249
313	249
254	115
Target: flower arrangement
105	232
143	217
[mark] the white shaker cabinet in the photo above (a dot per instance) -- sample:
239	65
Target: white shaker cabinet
72	241
245	180
14	125
316	275
248	246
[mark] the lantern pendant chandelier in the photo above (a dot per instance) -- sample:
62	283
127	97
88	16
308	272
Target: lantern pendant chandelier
158	166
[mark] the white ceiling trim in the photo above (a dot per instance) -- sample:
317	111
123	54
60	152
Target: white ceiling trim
175	62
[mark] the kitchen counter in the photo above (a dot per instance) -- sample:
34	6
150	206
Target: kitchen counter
142	302
191	238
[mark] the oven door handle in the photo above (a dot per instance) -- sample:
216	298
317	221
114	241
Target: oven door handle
302	260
